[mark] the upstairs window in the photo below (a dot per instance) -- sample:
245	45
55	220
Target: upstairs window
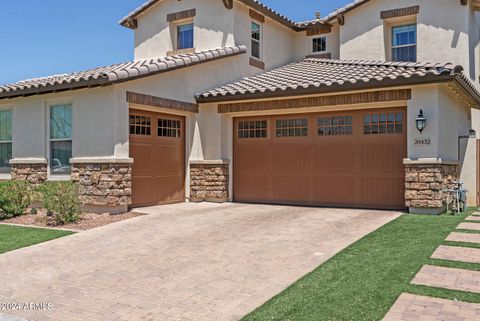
319	44
256	40
5	141
404	43
185	36
60	139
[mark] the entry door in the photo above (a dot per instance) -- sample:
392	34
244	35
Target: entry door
157	146
347	159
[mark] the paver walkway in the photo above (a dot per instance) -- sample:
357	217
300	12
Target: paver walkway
457	253
421	308
469	226
473	218
464	237
183	262
448	278
411	307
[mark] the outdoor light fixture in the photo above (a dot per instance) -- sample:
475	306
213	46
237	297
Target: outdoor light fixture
421	121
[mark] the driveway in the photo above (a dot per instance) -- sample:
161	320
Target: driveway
181	262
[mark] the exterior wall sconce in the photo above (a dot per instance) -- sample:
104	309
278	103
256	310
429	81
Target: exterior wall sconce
421	121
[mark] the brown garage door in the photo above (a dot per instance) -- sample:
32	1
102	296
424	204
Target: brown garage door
348	159
157	145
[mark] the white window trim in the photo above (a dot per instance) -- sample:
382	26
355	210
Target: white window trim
174	25
50	176
7	176
311	45
403	24
259	42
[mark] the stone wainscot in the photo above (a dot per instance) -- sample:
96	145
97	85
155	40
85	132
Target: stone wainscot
209	181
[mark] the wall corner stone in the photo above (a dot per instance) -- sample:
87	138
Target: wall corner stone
209	182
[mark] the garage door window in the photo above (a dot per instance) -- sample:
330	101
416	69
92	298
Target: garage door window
335	126
140	125
252	129
383	123
169	128
292	127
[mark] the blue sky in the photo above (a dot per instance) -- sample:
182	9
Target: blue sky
45	37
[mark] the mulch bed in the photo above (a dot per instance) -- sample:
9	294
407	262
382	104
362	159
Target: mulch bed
87	221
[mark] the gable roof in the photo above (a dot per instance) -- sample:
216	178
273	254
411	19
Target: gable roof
333	15
109	75
315	76
129	20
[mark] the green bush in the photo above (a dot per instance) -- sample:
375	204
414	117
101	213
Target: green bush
15	197
63	200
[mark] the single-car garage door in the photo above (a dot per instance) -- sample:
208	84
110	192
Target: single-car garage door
348	159
157	146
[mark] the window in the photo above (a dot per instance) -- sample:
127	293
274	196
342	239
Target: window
140	125
5	141
319	44
334	126
256	40
383	123
292	127
185	36
252	129
169	128
60	139
404	43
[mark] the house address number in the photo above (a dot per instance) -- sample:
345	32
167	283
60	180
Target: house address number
424	141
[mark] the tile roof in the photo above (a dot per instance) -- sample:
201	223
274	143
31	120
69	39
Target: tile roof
315	75
114	74
334	14
255	4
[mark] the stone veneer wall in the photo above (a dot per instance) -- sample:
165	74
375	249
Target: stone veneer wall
424	184
104	184
33	173
209	182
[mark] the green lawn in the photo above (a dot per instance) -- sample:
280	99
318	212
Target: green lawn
14	237
363	281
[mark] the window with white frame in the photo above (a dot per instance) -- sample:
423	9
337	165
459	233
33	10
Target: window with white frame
185	36
256	40
5	141
319	44
404	43
60	139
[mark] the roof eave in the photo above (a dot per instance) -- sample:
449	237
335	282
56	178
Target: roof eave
312	90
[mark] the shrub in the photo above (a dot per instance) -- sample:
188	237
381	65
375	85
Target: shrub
63	200
15	197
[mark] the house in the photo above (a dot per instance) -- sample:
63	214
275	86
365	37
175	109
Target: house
228	100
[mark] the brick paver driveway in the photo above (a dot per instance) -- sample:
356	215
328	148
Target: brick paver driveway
182	262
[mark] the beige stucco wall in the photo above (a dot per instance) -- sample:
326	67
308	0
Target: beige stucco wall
93	118
442	33
215	27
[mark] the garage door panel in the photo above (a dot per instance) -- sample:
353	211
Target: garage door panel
346	159
291	157
291	189
381	192
158	151
334	190
252	188
383	156
255	157
334	157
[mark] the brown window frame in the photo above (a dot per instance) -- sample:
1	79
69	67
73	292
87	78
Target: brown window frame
387	123
249	129
172	130
348	123
148	127
304	128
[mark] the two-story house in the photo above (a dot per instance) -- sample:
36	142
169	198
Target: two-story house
373	106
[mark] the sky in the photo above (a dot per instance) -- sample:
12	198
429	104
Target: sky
47	37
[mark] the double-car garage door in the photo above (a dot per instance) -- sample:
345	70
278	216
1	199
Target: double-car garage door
348	159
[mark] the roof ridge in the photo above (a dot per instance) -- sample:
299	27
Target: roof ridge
380	63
